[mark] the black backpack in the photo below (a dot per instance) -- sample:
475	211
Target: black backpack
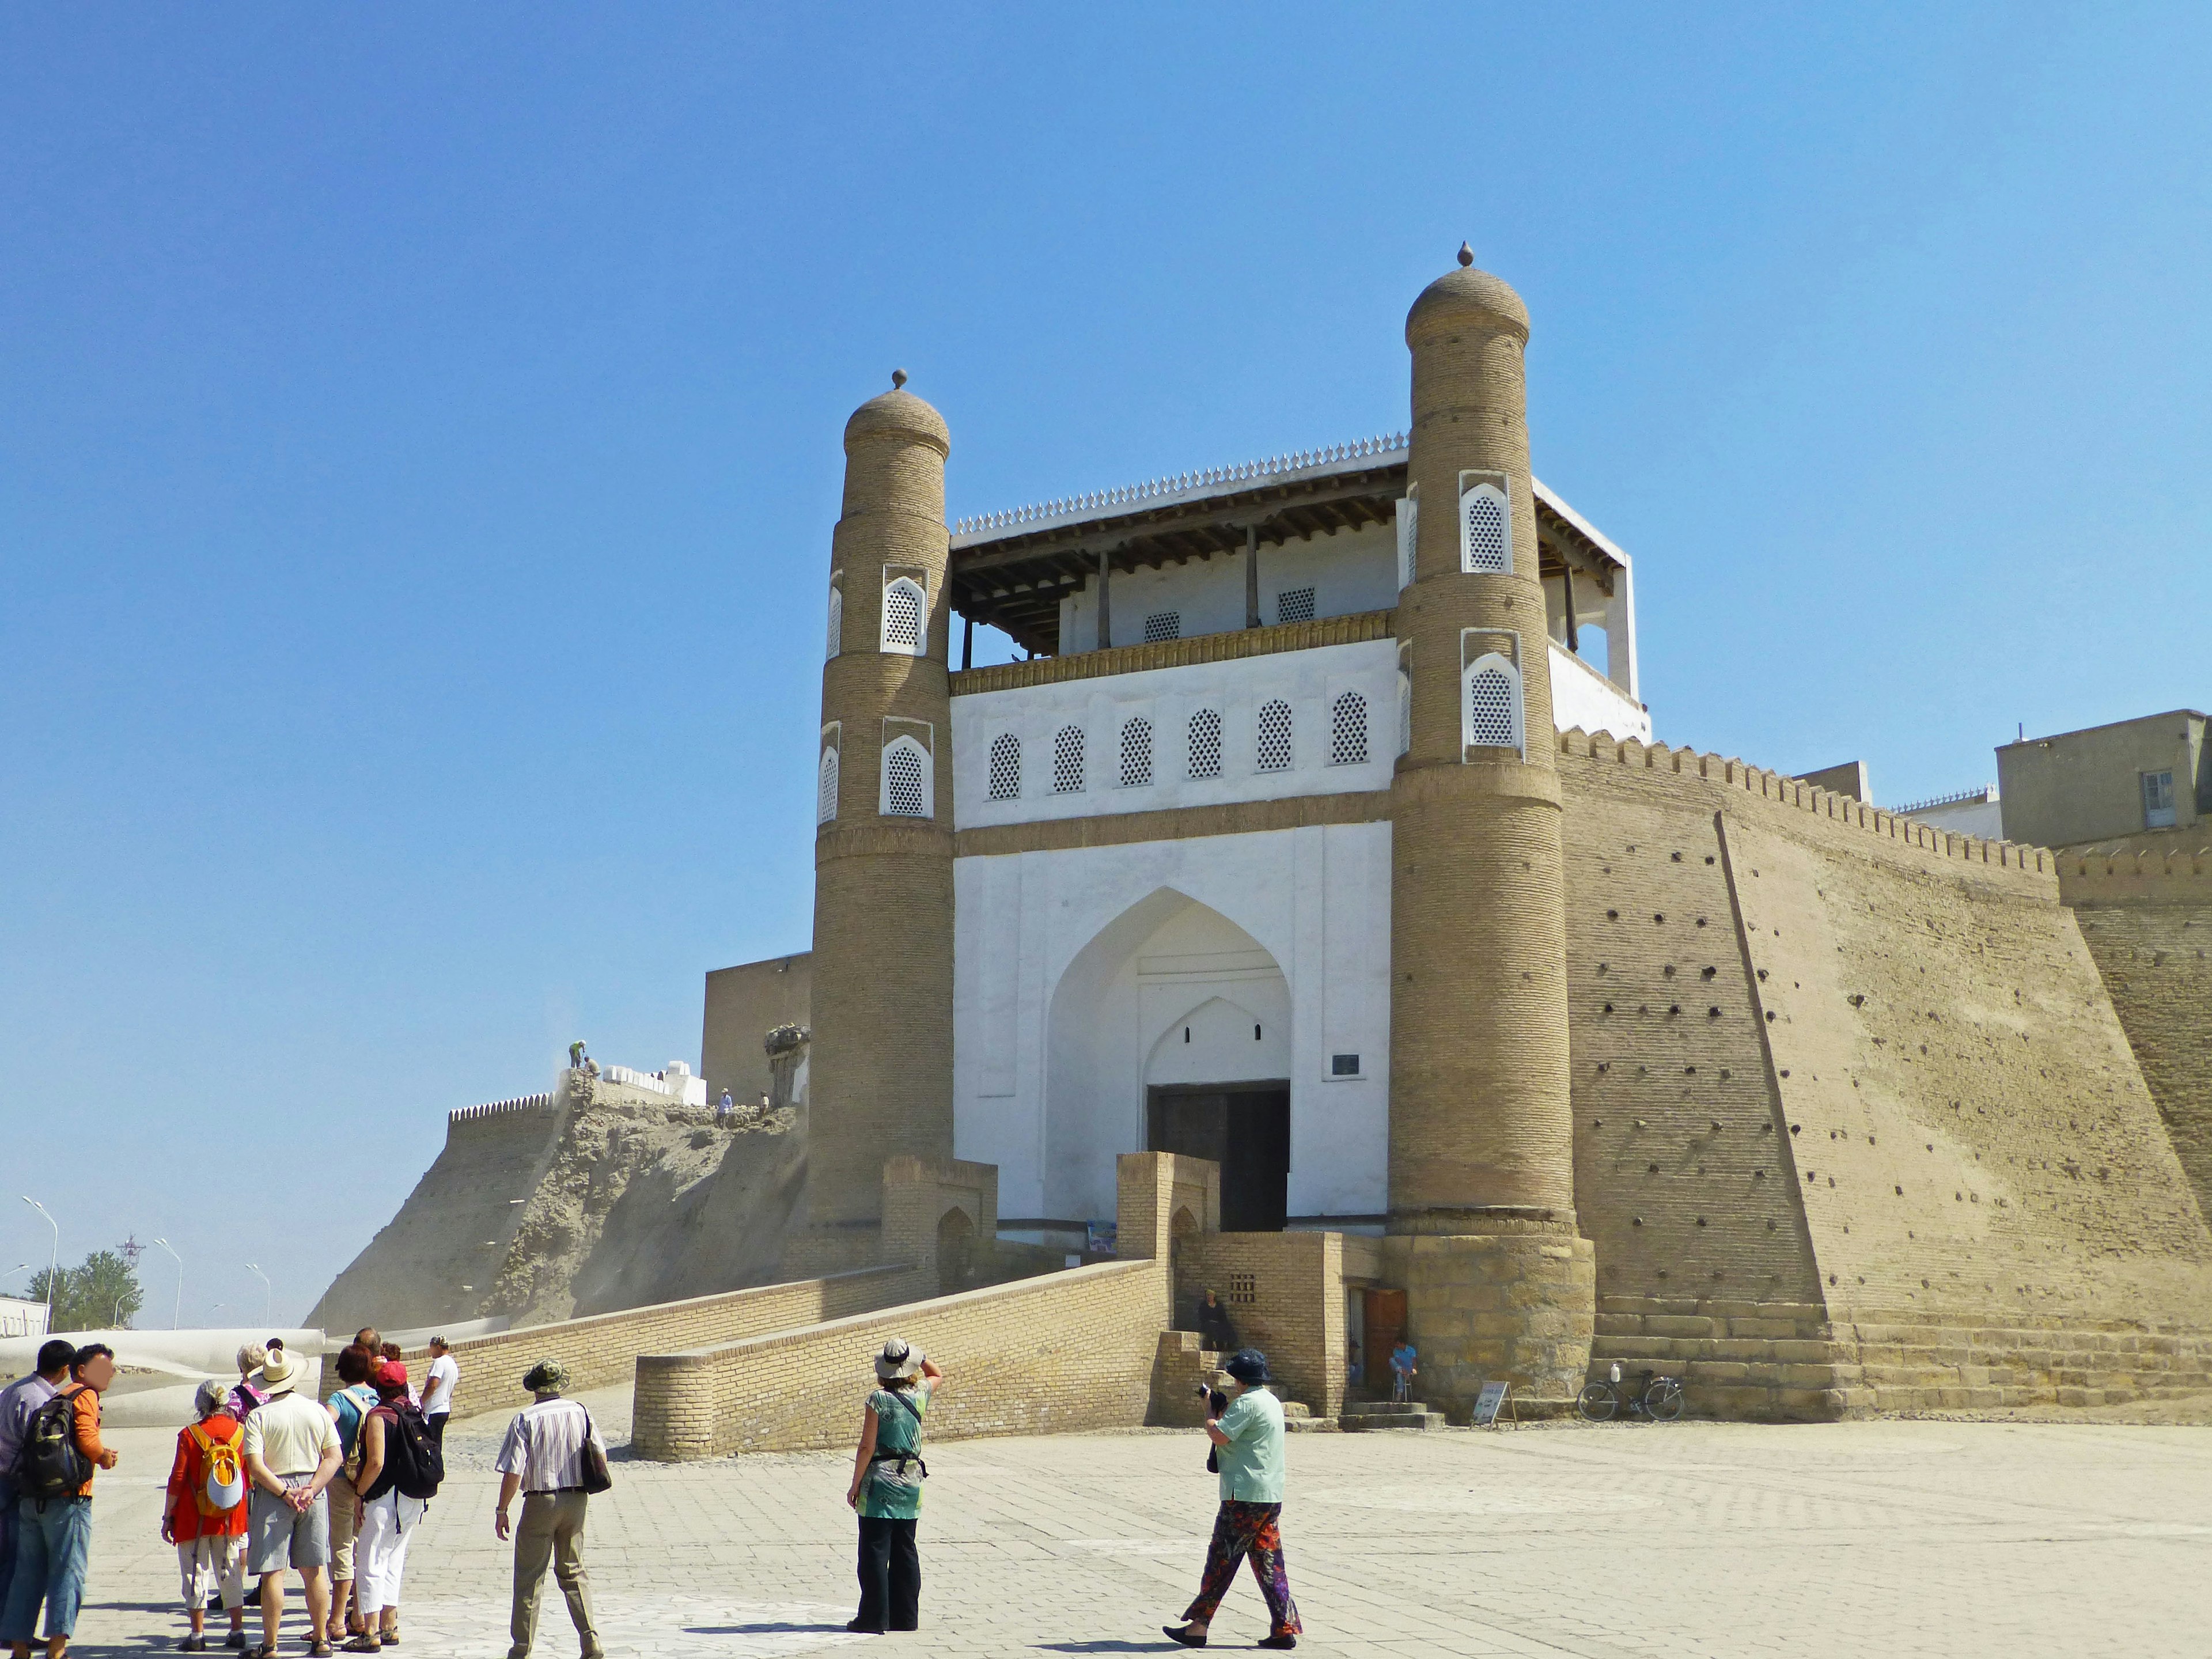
49	1464
412	1460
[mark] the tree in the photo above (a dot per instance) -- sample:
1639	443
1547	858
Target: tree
99	1293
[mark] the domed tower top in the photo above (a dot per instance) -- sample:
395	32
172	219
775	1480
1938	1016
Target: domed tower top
1467	297
897	415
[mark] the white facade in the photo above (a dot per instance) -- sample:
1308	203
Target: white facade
1338	575
1078	973
1581	696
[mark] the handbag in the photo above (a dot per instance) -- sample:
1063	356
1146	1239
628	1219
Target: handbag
597	1477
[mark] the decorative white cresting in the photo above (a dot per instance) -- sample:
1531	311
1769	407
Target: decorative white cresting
1006	766
1383	446
1347	729
904	607
1492	704
906	779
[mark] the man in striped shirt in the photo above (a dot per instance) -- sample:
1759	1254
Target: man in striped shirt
543	1458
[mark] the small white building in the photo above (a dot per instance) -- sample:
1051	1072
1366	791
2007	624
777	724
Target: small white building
1968	812
22	1318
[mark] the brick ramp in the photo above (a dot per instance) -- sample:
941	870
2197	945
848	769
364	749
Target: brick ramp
1072	1349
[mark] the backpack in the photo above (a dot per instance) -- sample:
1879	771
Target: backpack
350	1405
49	1465
412	1461
224	1488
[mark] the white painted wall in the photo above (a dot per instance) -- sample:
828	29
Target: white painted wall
1581	696
1350	571
1076	972
1310	681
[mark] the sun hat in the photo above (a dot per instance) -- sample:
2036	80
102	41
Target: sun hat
897	1360
1247	1366
548	1375
279	1371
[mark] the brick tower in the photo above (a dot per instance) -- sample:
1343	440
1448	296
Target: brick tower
881	1063
1500	1285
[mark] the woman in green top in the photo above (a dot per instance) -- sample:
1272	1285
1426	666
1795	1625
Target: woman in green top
886	1489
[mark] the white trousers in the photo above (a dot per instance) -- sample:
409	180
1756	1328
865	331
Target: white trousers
380	1553
212	1565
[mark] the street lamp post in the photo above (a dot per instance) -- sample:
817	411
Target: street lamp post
53	1263
268	1295
177	1313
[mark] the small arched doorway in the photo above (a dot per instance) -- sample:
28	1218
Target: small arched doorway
955	1251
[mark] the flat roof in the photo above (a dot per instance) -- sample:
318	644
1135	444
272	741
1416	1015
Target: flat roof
1011	568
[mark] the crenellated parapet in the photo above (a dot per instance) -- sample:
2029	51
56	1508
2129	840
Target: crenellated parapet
2129	877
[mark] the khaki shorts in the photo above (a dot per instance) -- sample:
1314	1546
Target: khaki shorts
213	1566
345	1526
280	1536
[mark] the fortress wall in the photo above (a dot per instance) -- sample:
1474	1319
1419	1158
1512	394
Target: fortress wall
2156	960
603	1349
1915	990
412	1272
1074	1349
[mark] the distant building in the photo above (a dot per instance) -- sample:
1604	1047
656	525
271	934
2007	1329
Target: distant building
1968	812
2107	781
22	1318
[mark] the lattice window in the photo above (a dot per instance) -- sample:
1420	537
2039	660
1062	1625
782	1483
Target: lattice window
906	779
1493	704
1409	532
1404	713
1272	750
1244	1289
1486	538
1006	766
825	788
836	641
1163	625
1067	761
904	610
1294	604
1204	733
1136	752
1347	729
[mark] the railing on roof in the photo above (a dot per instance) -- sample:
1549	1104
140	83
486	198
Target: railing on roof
1983	791
1298	460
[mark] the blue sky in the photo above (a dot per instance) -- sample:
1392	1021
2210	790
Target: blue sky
418	451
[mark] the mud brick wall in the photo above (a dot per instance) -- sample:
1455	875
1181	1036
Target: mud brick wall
1073	1350
1285	1294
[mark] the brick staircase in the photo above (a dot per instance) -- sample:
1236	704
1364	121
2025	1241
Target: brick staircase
1297	1417
1367	1416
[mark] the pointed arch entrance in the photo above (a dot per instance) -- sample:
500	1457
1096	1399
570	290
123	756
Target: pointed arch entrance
1170	1031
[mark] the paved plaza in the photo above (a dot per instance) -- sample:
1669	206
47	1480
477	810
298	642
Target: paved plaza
1883	1539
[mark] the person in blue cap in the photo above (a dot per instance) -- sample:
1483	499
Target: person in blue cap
1248	1440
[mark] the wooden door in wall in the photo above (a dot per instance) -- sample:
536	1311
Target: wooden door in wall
1245	1128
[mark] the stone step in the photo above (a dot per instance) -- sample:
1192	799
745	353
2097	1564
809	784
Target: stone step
1292	1409
1364	1415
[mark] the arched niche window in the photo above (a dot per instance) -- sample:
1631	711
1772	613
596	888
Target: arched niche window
904	608
1347	729
1205	738
906	779
825	786
1272	743
1067	761
1409	535
1405	709
1006	766
836	641
1492	704
1136	752
1486	530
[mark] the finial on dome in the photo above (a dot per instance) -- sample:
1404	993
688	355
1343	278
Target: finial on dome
1466	255
898	379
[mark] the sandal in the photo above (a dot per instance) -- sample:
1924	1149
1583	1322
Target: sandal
363	1642
1184	1634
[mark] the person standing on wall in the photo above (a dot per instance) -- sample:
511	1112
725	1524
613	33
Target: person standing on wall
204	1515
292	1454
886	1491
547	1455
1248	1439
53	1516
438	1389
19	1401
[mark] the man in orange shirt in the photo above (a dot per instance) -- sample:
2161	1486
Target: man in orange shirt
55	1532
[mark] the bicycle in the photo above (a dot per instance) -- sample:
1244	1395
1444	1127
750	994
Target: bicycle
1659	1399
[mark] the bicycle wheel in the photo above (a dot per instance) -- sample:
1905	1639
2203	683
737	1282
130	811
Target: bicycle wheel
1663	1399
1596	1402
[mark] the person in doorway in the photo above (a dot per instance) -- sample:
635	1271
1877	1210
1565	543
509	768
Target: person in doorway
53	1532
388	1515
292	1456
1215	1334
1247	1437
355	1400
1403	1369
438	1388
542	1459
1353	1376
886	1489
204	1515
19	1401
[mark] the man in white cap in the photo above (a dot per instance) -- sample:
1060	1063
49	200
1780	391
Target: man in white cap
292	1454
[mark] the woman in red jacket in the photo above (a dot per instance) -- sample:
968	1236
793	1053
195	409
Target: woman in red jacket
209	1533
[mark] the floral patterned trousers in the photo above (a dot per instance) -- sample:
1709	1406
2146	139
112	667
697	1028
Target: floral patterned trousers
1239	1530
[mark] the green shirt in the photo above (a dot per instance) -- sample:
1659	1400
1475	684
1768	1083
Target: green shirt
885	1494
1252	1462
